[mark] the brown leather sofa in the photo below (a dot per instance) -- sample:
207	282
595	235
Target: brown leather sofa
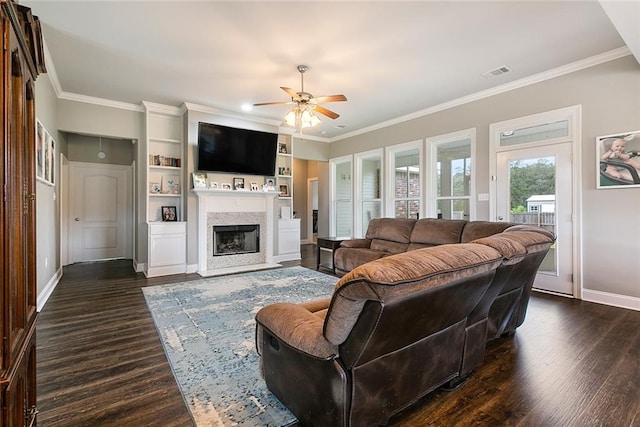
397	328
390	236
394	330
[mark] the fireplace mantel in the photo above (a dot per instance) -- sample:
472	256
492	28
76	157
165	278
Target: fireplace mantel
225	202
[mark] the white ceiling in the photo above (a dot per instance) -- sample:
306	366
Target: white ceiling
391	59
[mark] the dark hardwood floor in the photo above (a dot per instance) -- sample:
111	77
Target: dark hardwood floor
100	362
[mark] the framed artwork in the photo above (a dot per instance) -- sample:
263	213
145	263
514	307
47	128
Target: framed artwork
226	186
284	190
282	148
169	213
171	184
269	183
238	183
254	186
213	185
45	155
618	160
154	187
199	180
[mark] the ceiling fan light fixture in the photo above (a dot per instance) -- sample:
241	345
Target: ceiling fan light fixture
301	118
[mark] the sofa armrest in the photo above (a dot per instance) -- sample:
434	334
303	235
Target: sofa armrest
356	243
297	327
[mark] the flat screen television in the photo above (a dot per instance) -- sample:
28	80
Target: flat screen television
233	150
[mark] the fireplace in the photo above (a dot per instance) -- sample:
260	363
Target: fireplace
236	239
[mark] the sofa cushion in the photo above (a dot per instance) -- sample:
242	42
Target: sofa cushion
512	250
431	231
347	259
388	247
390	229
478	229
393	277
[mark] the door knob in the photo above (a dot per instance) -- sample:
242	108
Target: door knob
499	218
77	219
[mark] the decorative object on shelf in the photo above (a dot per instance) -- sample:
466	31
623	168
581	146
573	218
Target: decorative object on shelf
213	185
284	190
269	184
226	186
282	148
254	186
238	183
171	184
158	160
154	188
169	213
618	160
285	212
199	180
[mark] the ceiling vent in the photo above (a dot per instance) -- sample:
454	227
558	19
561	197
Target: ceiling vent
496	72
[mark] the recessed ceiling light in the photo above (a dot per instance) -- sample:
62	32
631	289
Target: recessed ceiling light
247	107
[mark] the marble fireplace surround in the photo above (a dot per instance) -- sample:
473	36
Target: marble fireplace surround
230	207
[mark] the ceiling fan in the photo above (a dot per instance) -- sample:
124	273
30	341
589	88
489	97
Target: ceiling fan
302	115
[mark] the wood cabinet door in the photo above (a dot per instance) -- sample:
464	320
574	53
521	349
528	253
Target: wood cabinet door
18	216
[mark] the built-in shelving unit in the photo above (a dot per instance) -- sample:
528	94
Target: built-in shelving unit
288	235
166	226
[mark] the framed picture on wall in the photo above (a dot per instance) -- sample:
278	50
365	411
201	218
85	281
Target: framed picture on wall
618	160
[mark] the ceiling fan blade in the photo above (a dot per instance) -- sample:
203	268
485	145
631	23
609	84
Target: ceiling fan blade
320	109
293	94
271	103
330	98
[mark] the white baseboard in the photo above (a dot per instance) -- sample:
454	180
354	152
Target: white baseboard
287	257
616	300
48	289
192	268
138	267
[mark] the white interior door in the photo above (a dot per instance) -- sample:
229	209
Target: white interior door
100	212
551	165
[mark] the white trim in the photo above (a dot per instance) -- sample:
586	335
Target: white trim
138	267
608	298
309	238
43	297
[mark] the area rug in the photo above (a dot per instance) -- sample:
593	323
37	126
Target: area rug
207	327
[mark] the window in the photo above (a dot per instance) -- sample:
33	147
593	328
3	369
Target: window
368	189
452	180
404	180
341	196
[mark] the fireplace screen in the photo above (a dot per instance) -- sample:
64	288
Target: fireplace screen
236	239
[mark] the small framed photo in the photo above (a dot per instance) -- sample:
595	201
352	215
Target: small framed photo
269	184
169	213
238	183
282	148
226	186
284	190
199	180
254	186
213	185
154	187
618	160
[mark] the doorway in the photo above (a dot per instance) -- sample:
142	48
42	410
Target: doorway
534	187
534	181
100	214
312	209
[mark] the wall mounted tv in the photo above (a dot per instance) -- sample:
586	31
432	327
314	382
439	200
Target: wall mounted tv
227	149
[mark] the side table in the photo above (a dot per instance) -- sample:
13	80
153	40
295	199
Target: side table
330	243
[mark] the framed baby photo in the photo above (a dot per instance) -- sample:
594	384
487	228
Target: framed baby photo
618	160
169	213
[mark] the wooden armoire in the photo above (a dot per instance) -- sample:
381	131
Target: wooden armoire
22	60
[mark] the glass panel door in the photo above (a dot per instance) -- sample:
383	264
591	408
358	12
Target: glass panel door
453	179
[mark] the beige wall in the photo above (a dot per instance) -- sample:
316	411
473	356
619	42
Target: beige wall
610	97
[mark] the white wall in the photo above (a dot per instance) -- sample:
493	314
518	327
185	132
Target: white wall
610	97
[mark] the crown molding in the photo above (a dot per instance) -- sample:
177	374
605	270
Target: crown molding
516	84
188	106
